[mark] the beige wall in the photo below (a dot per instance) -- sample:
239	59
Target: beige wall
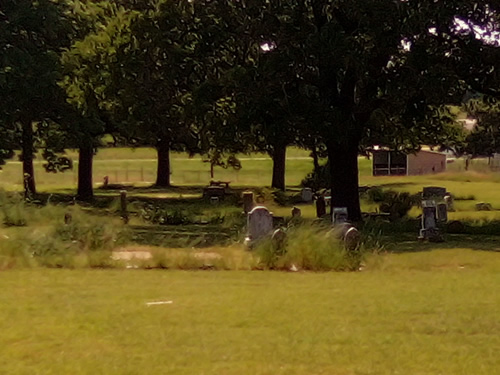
425	162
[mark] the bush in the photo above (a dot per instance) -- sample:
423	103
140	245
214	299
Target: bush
318	179
396	204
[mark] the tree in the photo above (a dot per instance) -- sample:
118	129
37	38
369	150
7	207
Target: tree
32	37
371	70
484	139
88	83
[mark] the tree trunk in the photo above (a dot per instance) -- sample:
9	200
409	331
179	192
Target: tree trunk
27	153
85	159
343	160
314	154
163	170
279	163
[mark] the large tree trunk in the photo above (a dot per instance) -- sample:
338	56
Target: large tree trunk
343	160
27	153
279	163
163	170
85	159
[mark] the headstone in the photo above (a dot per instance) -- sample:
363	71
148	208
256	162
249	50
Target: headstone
278	239
483	207
352	239
296	212
428	214
259	224
348	234
123	206
429	230
247	201
339	215
320	207
433	192
306	195
442	212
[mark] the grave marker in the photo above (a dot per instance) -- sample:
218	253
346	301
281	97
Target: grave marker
306	195
259	225
320	207
339	215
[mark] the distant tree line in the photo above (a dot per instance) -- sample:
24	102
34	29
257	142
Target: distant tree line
221	77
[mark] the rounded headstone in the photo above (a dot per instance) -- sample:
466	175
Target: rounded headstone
278	238
352	239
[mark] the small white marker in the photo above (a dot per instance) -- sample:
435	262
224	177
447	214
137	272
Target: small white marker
159	303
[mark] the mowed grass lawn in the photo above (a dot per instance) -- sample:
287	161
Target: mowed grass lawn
421	313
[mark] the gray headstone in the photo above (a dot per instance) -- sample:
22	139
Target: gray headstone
428	214
429	229
339	215
307	195
259	223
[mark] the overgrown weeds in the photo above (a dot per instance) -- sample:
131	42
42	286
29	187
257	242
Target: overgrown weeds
309	247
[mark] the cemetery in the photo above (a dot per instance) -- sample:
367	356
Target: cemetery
245	187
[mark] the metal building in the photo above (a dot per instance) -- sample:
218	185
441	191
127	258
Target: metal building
393	163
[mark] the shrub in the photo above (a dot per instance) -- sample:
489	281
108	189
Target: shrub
318	179
396	204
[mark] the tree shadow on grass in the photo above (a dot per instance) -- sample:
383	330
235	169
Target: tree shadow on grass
408	243
396	184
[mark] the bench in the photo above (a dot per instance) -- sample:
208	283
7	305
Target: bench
220	183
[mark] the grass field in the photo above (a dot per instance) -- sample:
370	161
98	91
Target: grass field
420	313
124	165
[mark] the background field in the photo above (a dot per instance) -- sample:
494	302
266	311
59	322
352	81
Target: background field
138	167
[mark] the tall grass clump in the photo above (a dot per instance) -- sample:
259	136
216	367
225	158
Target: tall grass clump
86	241
12	209
309	247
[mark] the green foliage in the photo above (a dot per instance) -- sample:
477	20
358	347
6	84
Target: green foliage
318	179
157	214
396	204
